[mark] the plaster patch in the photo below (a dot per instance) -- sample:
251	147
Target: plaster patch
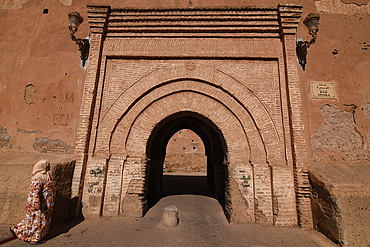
260	216
44	145
5	140
338	132
357	2
3	87
12	4
29	131
341	8
366	109
29	94
66	2
316	158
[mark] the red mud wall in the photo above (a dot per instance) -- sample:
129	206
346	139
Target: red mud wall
41	85
185	153
41	80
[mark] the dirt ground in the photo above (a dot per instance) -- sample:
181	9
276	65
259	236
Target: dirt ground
201	223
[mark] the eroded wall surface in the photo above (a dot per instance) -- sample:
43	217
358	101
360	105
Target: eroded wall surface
41	80
338	128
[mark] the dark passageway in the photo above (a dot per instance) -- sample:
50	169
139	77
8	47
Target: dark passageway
211	183
174	184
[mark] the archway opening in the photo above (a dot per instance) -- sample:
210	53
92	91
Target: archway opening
211	179
185	154
185	166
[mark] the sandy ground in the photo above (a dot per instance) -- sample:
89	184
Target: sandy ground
202	223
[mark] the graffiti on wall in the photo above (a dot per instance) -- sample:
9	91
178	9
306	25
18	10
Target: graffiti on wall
115	170
93	187
98	172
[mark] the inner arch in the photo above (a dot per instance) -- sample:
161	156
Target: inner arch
215	151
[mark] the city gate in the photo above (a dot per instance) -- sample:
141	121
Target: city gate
228	74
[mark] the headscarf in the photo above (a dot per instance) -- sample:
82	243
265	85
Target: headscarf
39	171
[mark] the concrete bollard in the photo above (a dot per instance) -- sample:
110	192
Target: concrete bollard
170	216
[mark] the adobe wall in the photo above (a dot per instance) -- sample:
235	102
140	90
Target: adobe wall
338	129
16	173
41	82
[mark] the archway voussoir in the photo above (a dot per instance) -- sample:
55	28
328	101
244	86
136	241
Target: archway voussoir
207	90
234	88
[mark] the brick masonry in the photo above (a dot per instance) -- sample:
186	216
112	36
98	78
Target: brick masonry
239	84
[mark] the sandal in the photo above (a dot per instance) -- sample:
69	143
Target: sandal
38	242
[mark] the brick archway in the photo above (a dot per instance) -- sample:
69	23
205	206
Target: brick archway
242	89
230	130
249	111
246	149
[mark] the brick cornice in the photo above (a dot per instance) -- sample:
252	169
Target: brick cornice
98	16
289	16
261	22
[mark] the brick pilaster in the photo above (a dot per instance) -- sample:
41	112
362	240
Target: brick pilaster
263	194
97	20
289	17
112	197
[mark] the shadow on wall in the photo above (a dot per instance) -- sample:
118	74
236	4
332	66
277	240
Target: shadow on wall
340	202
64	208
62	174
15	176
324	210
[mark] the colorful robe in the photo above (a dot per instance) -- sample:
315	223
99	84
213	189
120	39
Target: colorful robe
40	202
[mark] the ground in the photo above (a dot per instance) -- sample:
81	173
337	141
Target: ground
202	223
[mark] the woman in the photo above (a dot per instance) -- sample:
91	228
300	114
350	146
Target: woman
39	206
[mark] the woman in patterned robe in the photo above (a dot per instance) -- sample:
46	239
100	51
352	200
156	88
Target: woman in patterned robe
39	206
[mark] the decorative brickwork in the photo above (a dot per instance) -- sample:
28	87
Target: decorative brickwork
229	75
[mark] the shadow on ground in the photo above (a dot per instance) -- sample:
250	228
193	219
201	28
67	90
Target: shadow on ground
202	223
63	228
183	184
179	184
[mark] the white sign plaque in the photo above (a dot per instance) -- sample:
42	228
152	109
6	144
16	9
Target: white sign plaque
322	90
